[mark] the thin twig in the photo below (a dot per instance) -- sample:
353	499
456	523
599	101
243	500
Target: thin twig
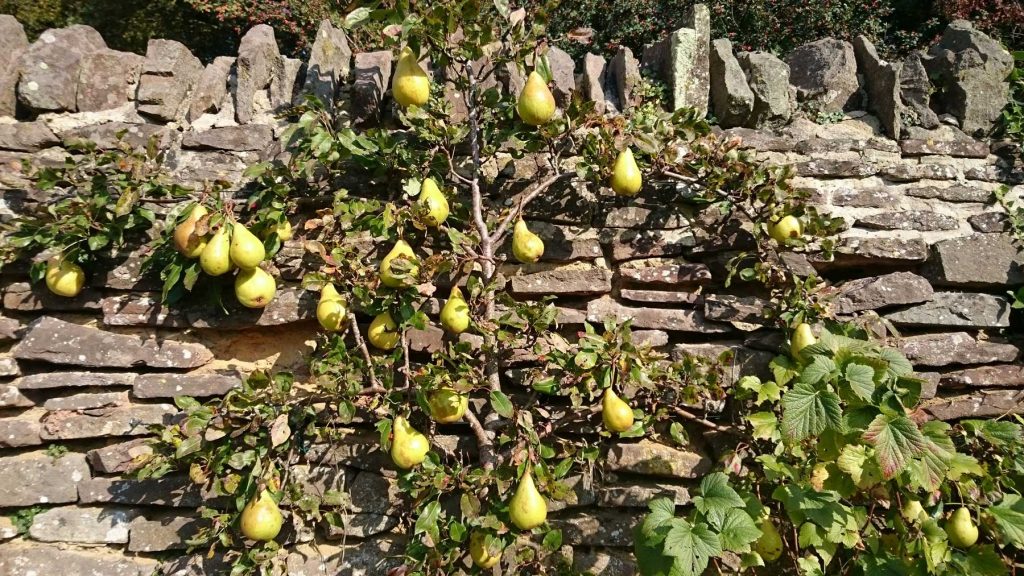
497	236
483	440
703	422
361	344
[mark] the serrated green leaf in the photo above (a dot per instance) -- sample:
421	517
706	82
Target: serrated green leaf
896	439
819	369
501	404
807	411
765	425
738	531
861	379
1009	515
716	498
426	523
692	546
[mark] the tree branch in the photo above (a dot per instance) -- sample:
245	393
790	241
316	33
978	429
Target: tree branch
524	201
361	344
703	422
483	440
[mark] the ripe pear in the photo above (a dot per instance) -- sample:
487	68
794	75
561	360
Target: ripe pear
246	249
626	178
261	518
961	529
527	509
617	415
411	85
536	103
388	276
215	258
408	447
433	203
455	314
383	332
527	247
284	231
478	551
255	288
769	545
786	227
802	338
913	512
331	311
188	243
64	277
447	405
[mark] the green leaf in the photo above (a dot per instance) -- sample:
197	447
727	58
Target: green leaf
819	369
765	424
716	498
692	546
807	411
427	522
861	379
662	511
981	561
998	433
553	540
188	446
898	363
896	439
98	241
1009	515
501	404
738	531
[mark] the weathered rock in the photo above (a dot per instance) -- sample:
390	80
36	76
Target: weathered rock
625	73
878	292
883	86
371	557
971	71
46	380
659	296
664	272
732	100
160	532
955	148
87	401
954	193
372	493
110	135
989	222
920	220
831	168
119	458
23	559
768	78
233	138
744	360
825	74
565	280
654	459
372	71
284	88
876	251
26	136
138	310
107	79
1002	376
11	397
58	342
26	297
360	526
592	80
606	563
10	329
600	528
99	422
36	478
563	75
168	77
8	367
211	88
626	244
194	385
980	404
864	197
639	494
13	43
83	525
916	92
650	217
330	61
904	172
7	531
653	318
979	260
956	309
21	430
259	63
50	67
736	309
689	61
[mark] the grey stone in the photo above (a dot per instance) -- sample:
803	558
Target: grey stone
920	220
653	459
999	174
639	494
10	329
211	89
971	71
651	217
768	78
592	80
661	272
730	308
131	420
34	478
954	193
26	297
659	296
653	318
232	138
732	100
138	310
330	61
627	244
371	557
26	136
105	137
371	493
50	67
47	380
878	292
195	565
13	43
11	397
979	260
956	309
176	491
689	61
883	86
168	77
161	532
600	528
371	71
58	342
21	430
832	168
865	197
8	367
904	172
83	525
259	64
1002	376
825	74
563	75
625	73
888	251
24	559
87	401
608	562
361	526
107	79
285	87
194	385
743	360
567	280
955	148
915	93
990	222
289	306
979	404
121	457
7	531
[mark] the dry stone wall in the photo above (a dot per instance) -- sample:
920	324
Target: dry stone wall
926	247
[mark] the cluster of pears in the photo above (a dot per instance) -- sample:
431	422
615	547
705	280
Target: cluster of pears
261	518
64	277
231	246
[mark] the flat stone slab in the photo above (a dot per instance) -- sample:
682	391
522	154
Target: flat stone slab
58	342
669	319
956	309
133	420
11	397
654	459
194	385
955	348
21	430
47	380
979	260
1003	376
980	404
639	494
157	532
176	491
24	559
35	478
894	289
601	528
83	525
119	458
918	220
661	272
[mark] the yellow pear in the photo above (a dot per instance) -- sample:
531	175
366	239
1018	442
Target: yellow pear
626	178
255	288
404	279
215	258
527	247
246	249
479	552
331	311
447	405
769	545
408	447
261	518
786	227
188	243
433	205
617	415
961	529
284	231
411	85
383	332
455	314
527	509
64	277
802	338
536	103
913	512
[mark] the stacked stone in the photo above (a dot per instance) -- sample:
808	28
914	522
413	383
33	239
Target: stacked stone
926	247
